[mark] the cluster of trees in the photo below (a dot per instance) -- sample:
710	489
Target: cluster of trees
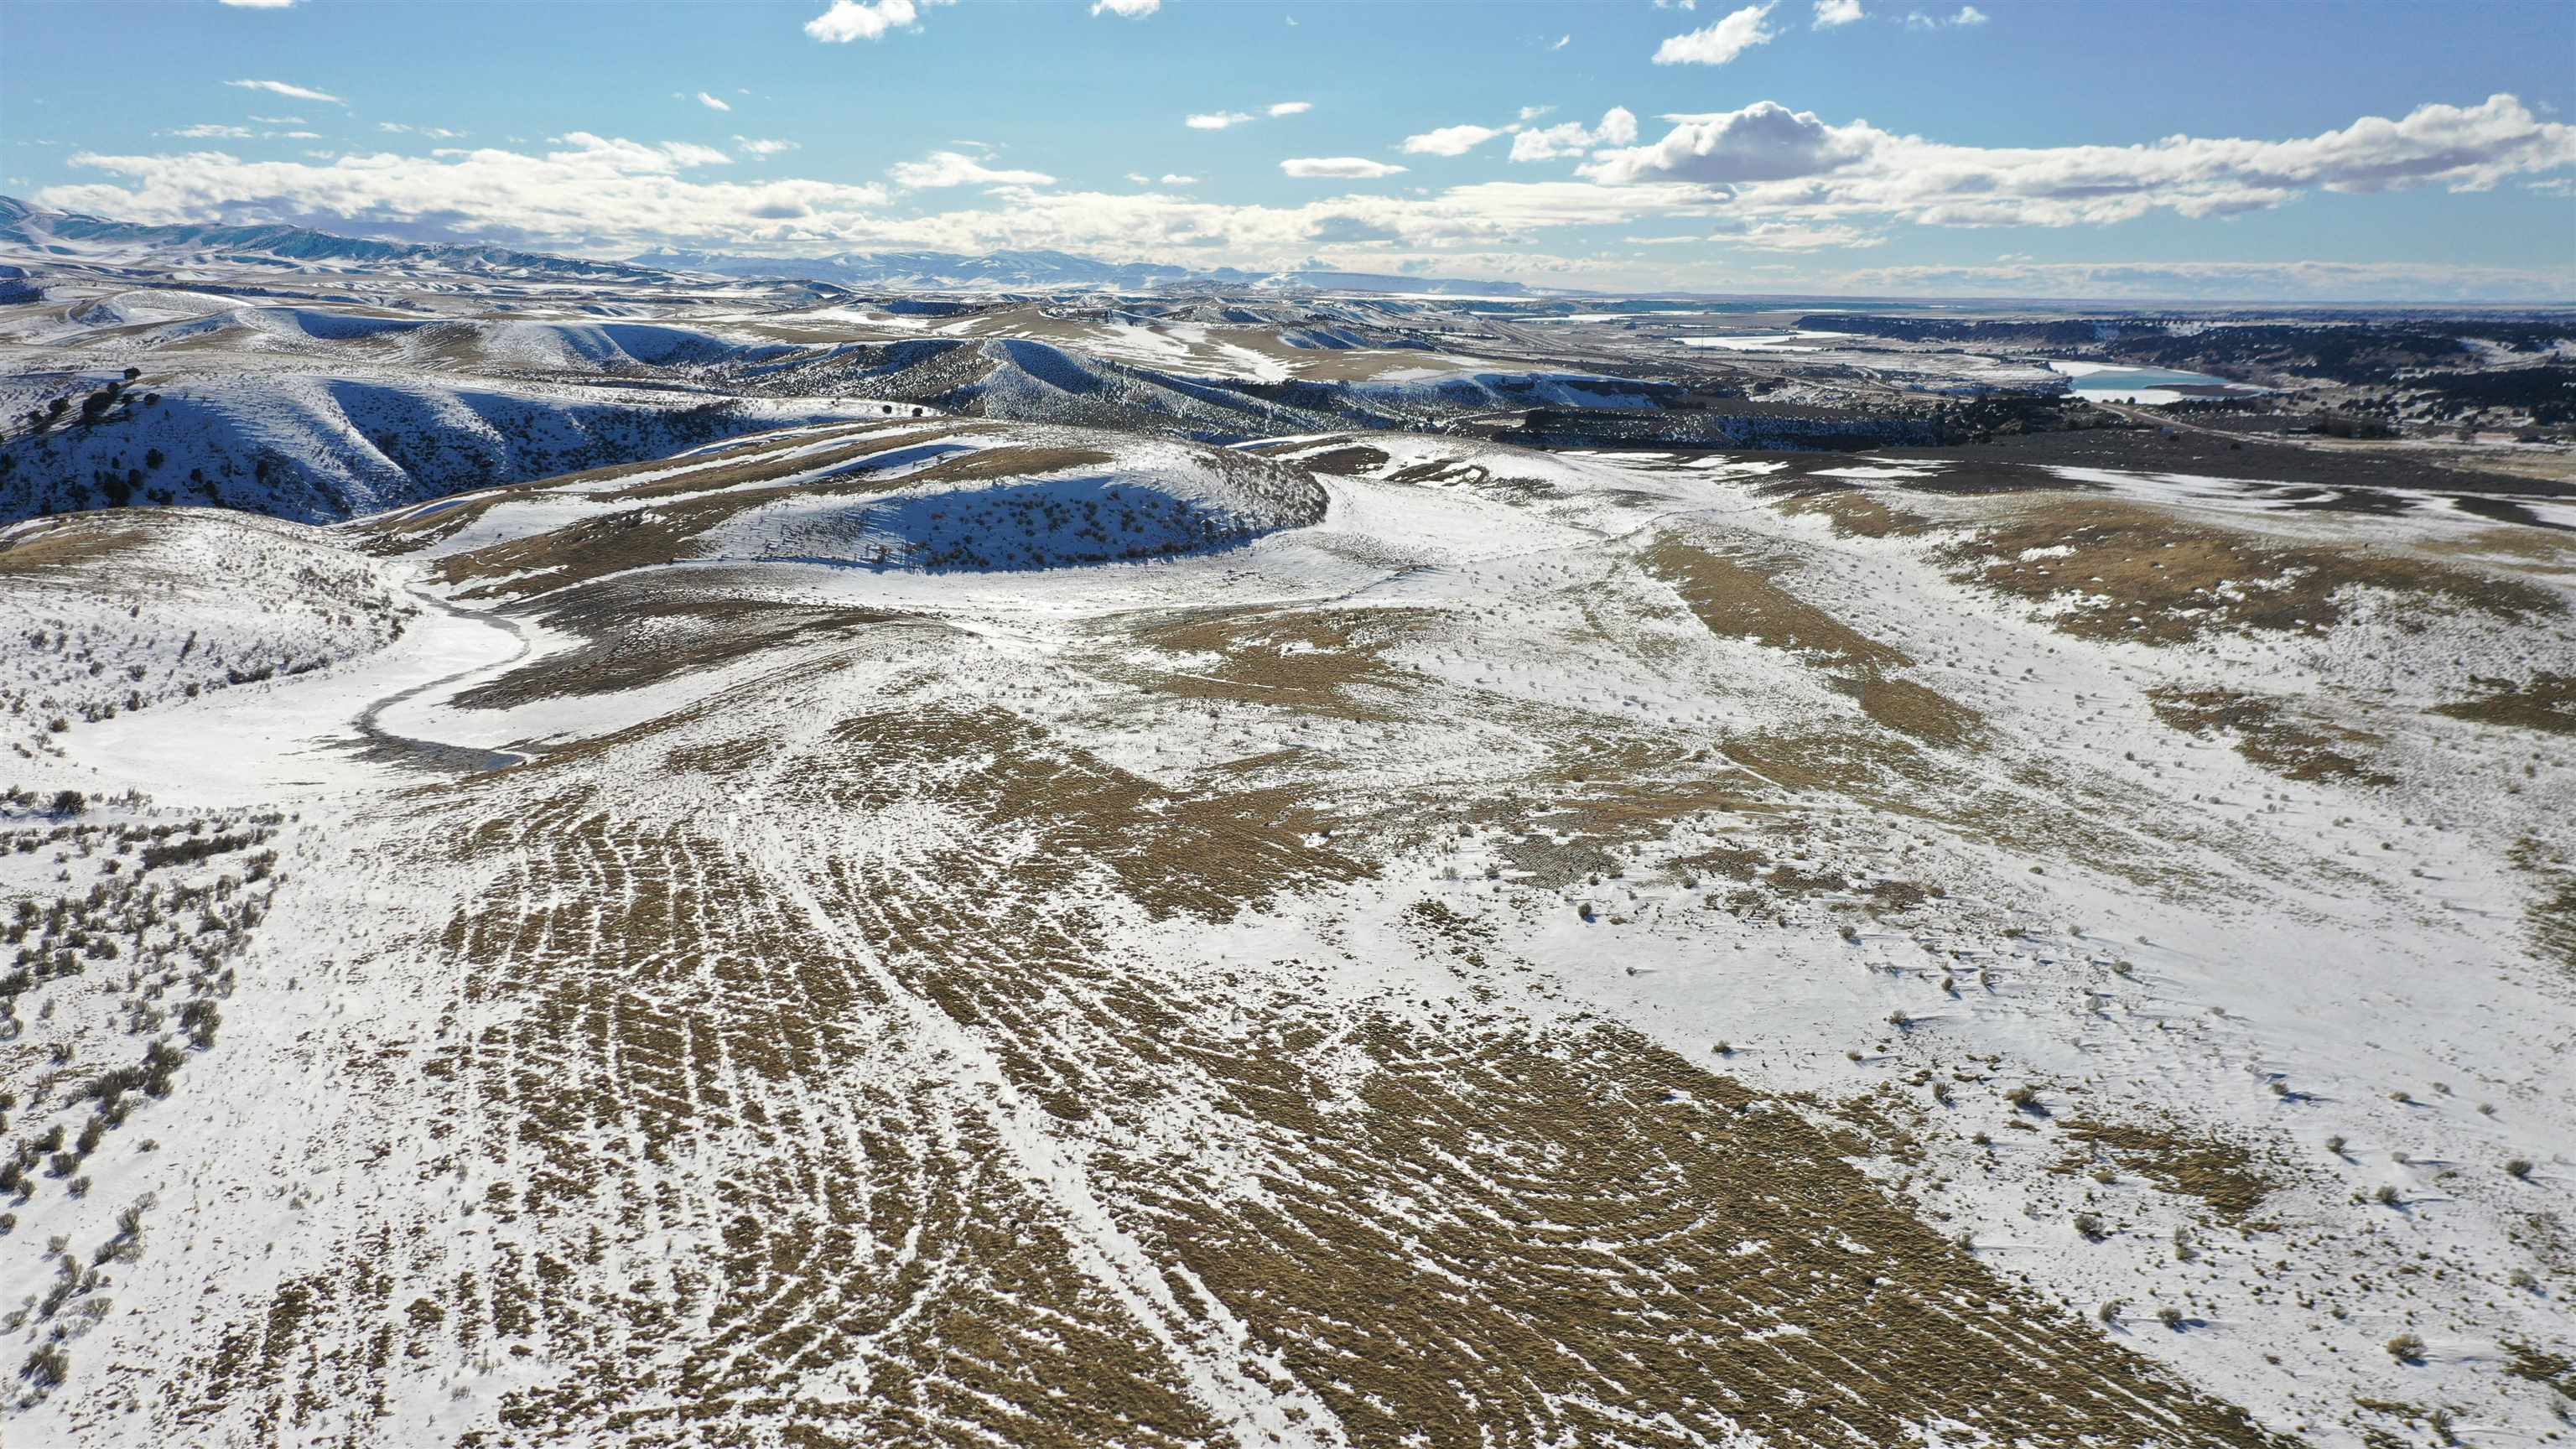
94	408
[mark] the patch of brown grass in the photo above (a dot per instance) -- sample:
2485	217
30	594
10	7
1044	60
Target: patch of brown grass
1886	772
648	997
2552	912
1781	879
2223	1174
2140	573
1203	854
1855	513
2038	815
1568	834
1917	710
2269	734
1737	600
73	542
643	634
2546	702
1312	661
1010	460
1492	1223
1743	602
2528	550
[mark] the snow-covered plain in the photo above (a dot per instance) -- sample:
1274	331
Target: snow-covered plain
873	914
1444	944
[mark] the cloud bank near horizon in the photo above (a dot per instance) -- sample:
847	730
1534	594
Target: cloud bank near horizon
1759	179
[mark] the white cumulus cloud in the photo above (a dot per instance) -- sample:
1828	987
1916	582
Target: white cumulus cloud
1450	140
711	103
1759	180
1765	141
1572	138
1130	9
754	146
956	168
1830	13
589	189
850	20
1292	108
1773	159
1719	43
259	4
1343	168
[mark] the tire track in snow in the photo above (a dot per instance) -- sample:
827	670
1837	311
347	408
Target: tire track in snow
378	743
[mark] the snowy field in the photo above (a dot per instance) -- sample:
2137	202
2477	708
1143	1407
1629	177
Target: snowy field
922	930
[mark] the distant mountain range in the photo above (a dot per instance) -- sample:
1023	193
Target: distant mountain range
1044	271
33	233
73	236
945	270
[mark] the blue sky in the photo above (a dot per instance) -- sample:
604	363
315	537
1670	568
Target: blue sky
2300	150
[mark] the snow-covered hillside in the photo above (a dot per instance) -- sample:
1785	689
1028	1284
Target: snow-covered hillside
317	447
595	855
1213	393
907	495
1495	947
112	612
